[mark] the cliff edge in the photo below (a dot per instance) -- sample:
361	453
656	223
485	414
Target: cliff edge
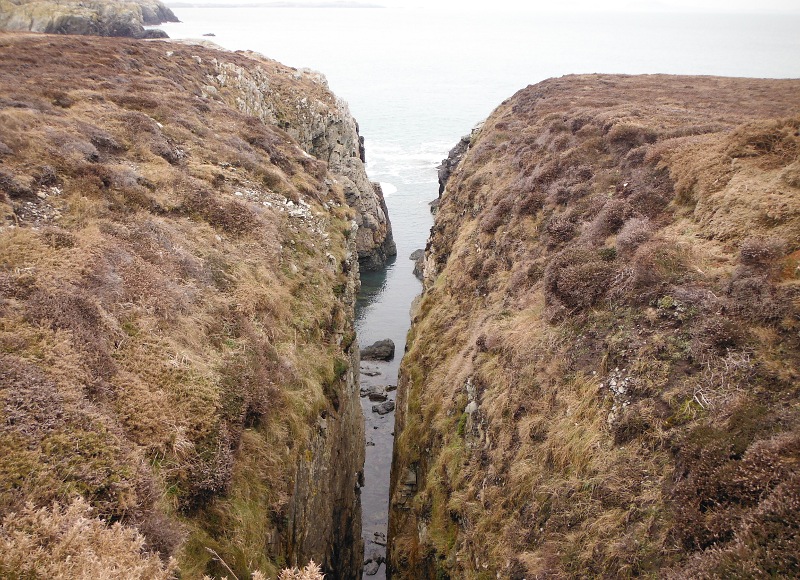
177	285
94	18
323	126
602	373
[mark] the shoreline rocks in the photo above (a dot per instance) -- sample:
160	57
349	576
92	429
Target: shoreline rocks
103	18
381	350
383	408
368	371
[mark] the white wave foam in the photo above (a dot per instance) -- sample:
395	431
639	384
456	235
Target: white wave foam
388	188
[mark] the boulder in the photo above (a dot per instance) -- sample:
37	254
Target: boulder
150	33
373	563
375	394
419	262
371	568
381	350
370	371
383	408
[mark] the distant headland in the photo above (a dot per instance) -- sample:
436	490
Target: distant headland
96	18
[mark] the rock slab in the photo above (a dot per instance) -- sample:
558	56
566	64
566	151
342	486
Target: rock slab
381	350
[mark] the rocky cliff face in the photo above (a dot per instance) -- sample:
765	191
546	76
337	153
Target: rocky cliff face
177	290
324	128
95	18
324	513
601	378
324	520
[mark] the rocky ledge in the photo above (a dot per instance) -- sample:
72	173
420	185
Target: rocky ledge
93	18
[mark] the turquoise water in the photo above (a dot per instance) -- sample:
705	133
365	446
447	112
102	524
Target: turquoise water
417	80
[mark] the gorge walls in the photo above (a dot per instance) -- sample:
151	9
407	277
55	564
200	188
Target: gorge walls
601	374
181	229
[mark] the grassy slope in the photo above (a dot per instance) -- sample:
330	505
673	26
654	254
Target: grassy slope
168	332
613	279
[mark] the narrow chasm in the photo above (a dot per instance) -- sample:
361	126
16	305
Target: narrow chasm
178	373
378	380
382	322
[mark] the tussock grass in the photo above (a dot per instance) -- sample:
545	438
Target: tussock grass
601	375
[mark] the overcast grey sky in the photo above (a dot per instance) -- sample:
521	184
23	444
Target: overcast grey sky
611	5
754	6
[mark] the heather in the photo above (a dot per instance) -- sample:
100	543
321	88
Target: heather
602	373
176	288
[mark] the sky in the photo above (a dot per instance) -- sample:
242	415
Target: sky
614	5
738	6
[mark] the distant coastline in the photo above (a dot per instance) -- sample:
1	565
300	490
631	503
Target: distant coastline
272	5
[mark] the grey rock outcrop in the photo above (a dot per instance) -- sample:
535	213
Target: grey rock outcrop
450	163
333	136
323	126
154	12
452	160
381	350
97	18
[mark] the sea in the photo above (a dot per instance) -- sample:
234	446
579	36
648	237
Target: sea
417	79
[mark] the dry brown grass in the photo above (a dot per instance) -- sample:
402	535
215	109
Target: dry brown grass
602	377
310	572
167	331
70	542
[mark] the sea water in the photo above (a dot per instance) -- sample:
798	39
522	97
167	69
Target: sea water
418	79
